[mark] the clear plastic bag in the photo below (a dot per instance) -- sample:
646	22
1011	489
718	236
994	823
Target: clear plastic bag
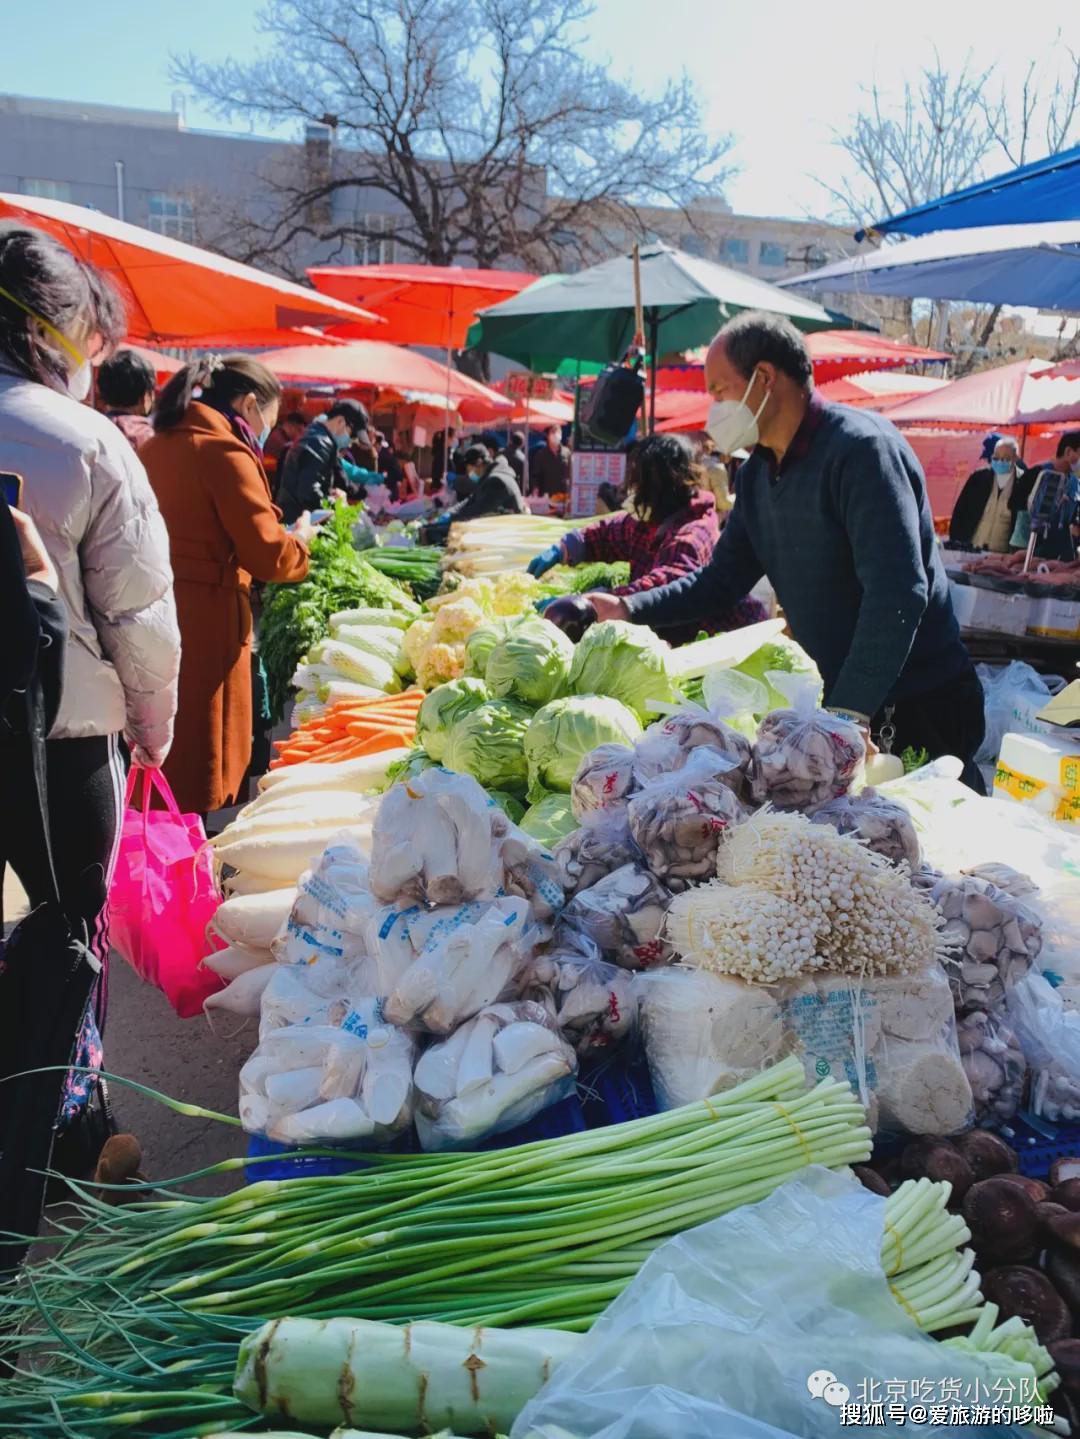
593	1003
677	819
883	824
604	780
1048	1031
995	938
1013	695
467	958
736	698
670	744
804	756
433	841
719	1333
352	1081
623	914
603	843
332	908
497	1071
704	1033
994	1064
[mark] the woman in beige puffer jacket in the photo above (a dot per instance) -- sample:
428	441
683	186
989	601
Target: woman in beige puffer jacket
88	494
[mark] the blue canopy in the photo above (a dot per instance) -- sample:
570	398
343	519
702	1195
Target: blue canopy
1042	191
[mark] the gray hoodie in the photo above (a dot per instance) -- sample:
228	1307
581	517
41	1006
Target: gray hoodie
88	494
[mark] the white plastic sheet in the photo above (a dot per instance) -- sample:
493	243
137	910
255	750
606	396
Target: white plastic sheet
719	1333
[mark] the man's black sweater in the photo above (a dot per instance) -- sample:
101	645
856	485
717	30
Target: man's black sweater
844	533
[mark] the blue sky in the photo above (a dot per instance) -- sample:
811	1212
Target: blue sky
780	74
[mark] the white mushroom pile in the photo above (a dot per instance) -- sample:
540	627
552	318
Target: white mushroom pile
993	938
593	1003
670	743
603	843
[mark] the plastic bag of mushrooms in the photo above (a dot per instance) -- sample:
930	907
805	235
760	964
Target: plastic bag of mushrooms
677	818
804	756
884	825
623	915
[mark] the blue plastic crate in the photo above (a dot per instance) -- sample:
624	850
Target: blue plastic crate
1038	1143
291	1161
615	1089
557	1120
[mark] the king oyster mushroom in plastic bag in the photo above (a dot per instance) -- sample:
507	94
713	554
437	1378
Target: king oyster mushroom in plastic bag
677	819
496	1071
994	1064
623	915
604	780
592	1002
994	938
804	756
670	743
883	824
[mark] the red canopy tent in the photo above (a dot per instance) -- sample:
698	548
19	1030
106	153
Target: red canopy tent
177	294
1027	392
835	354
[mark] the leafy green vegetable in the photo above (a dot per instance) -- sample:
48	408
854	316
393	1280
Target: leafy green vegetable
625	662
913	759
779	654
441	710
414	763
296	617
567	730
549	819
531	663
597	575
489	744
482	641
511	807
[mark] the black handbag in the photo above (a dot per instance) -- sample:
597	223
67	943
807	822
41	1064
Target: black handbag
47	979
617	396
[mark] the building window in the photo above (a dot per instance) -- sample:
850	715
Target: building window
692	243
174	216
734	251
47	189
376	246
772	253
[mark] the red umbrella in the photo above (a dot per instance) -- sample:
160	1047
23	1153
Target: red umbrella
177	294
1027	392
836	353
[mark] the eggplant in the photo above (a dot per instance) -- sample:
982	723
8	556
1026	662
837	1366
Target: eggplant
573	614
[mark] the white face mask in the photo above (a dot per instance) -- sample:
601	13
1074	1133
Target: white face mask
78	381
732	424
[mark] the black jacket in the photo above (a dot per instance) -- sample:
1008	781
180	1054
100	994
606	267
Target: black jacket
34	636
973	497
498	493
311	470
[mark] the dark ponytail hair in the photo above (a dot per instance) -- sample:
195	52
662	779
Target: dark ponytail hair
661	476
219	380
44	279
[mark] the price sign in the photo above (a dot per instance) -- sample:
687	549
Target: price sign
523	386
589	470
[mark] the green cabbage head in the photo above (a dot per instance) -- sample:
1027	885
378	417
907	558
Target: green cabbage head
778	654
624	662
566	730
489	744
441	710
531	664
549	820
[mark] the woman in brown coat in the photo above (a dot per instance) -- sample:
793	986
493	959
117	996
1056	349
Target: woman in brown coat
205	464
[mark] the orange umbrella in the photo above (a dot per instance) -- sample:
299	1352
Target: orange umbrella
387	367
422	304
180	295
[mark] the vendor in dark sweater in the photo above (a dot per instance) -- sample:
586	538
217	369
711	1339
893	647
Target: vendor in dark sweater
831	505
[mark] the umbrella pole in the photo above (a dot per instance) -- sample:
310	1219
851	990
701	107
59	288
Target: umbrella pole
654	343
526	465
449	363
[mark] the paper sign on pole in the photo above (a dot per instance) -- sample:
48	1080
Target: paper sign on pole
589	470
521	385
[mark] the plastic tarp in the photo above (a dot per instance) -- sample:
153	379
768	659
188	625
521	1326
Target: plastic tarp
421	304
1037	265
758	1325
177	294
1025	392
1047	189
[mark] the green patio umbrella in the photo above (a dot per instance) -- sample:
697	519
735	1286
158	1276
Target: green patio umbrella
590	315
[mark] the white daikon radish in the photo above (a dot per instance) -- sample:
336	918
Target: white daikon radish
345	805
249	883
234	959
336	690
360	774
252	920
243	995
292	819
287	855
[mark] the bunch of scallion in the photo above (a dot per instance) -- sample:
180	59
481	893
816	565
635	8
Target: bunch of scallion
133	1325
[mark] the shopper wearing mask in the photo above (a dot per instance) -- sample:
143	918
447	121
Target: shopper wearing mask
205	464
316	467
125	389
87	493
492	488
1053	504
984	516
831	506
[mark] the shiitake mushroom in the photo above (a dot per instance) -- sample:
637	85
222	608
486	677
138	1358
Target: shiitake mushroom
1003	1220
987	1154
1020	1290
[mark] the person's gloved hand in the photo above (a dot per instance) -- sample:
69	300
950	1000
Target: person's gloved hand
544	561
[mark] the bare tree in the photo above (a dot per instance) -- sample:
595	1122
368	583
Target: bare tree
480	124
1040	118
